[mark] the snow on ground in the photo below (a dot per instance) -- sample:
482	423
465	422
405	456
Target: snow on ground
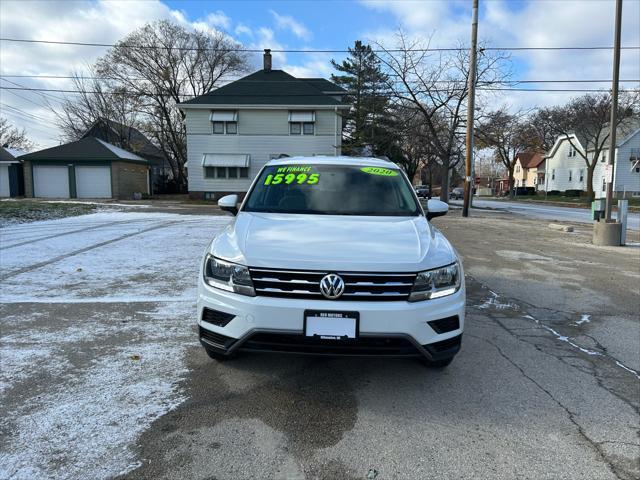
94	337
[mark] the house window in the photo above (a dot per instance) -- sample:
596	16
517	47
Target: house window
222	128
308	128
553	174
604	184
570	175
604	157
295	128
517	168
581	175
572	151
226	172
302	123
224	122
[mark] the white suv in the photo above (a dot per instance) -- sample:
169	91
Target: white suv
332	255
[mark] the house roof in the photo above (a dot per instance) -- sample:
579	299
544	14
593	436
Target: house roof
530	159
116	132
9	154
89	149
325	85
273	87
625	130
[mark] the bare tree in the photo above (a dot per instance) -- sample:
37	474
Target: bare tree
507	134
436	85
584	122
163	63
12	137
98	100
540	128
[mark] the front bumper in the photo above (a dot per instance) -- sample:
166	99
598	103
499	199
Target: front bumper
392	328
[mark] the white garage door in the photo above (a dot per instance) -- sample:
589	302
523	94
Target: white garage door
93	182
4	181
51	181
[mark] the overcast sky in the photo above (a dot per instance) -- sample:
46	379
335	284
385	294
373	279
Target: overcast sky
313	25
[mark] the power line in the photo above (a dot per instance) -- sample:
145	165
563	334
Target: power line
45	96
28	115
253	50
71	77
322	95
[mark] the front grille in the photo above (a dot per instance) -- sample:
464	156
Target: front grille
306	284
296	343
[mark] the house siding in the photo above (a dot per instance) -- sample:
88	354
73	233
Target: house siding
627	180
261	135
563	164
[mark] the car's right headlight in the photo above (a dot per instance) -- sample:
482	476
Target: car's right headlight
436	283
227	276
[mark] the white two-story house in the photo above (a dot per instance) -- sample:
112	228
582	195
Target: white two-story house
565	169
234	130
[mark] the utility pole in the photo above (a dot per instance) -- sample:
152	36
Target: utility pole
614	109
470	110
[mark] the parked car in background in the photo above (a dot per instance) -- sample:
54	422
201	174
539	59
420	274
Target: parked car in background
457	193
422	191
332	255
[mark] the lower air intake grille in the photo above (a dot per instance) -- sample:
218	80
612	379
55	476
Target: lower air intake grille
296	343
215	317
445	325
216	339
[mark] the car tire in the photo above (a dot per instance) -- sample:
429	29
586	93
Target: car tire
438	363
220	357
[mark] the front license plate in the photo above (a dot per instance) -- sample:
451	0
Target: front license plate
331	325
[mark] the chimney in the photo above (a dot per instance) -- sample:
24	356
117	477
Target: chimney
267	59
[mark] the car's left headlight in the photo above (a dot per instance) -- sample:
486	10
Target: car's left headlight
227	276
436	283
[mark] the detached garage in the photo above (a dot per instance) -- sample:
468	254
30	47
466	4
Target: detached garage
88	168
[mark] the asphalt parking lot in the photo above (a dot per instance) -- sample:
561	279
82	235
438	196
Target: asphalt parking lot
102	375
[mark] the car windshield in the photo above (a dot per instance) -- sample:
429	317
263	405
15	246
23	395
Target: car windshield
332	190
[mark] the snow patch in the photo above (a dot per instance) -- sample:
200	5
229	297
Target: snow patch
584	319
493	302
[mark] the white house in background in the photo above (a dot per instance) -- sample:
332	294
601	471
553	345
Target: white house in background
565	169
234	130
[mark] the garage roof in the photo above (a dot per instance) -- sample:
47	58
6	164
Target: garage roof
89	149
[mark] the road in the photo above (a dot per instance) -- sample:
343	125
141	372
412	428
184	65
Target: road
547	212
102	375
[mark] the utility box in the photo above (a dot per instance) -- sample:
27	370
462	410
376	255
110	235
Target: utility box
623	211
597	209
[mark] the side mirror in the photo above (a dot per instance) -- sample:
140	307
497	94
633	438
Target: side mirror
229	203
436	208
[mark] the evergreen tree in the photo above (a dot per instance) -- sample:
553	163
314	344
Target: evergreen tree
368	126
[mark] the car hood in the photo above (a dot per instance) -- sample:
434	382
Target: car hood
333	243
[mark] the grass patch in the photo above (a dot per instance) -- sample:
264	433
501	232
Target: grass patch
23	211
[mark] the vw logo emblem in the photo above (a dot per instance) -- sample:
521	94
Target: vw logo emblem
331	286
